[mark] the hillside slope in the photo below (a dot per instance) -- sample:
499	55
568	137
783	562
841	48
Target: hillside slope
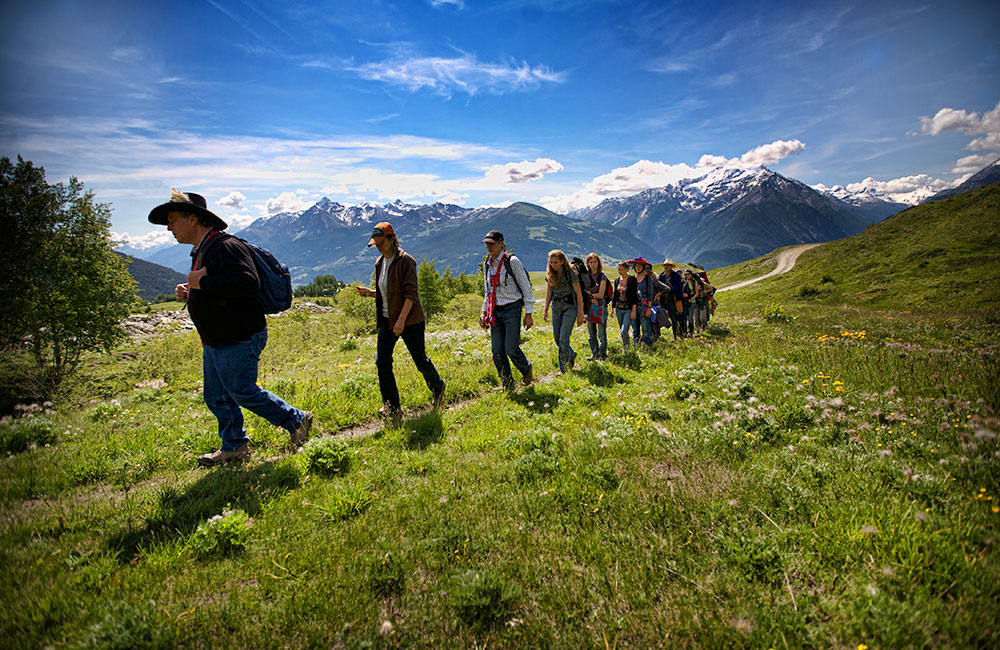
153	279
939	256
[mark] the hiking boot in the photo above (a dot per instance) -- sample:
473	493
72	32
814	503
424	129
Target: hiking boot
394	413
592	357
222	457
301	433
527	378
437	398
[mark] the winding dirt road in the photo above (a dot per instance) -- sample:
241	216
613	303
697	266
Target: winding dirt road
786	262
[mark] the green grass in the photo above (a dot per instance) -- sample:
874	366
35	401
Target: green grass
768	484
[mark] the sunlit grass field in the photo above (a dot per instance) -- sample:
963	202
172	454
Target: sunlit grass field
812	471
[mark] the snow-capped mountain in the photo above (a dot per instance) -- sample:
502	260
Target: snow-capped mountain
728	215
330	238
986	176
868	203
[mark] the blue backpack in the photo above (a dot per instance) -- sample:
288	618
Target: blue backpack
275	294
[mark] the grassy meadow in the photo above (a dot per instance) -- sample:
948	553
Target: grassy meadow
816	470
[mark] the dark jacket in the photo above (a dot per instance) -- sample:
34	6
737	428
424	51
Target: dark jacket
402	284
631	296
224	309
675	283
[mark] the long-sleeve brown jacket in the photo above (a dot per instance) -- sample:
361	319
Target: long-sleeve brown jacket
402	284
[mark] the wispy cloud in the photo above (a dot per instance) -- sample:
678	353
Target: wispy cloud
462	74
458	4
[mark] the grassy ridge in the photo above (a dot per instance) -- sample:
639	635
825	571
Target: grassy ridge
938	256
829	479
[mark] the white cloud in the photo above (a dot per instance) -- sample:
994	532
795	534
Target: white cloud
769	154
157	237
286	202
522	172
389	186
986	127
464	74
646	174
458	4
907	189
238	222
973	163
232	200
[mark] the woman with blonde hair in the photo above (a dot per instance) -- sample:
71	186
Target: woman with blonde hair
597	319
562	291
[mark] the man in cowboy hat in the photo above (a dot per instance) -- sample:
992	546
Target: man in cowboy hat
673	298
508	289
220	298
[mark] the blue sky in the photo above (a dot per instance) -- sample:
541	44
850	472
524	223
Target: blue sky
268	106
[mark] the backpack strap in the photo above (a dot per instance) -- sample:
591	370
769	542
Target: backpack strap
212	238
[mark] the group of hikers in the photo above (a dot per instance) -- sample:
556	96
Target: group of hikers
220	297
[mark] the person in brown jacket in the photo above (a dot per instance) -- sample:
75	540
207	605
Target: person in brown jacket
398	314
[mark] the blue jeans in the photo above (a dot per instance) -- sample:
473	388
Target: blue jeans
505	339
645	323
563	320
231	382
624	324
413	337
598	336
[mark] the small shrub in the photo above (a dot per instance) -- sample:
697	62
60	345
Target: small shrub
775	313
22	433
385	574
105	412
327	456
483	598
685	389
627	358
826	279
534	465
719	331
757	559
140	625
348	344
808	292
603	474
224	534
358	386
600	374
348	501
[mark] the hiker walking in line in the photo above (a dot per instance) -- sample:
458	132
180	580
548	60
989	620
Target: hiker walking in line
650	289
625	300
507	289
398	315
562	292
709	292
219	293
597	318
673	298
690	291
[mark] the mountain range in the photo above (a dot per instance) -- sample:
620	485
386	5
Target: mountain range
724	216
985	176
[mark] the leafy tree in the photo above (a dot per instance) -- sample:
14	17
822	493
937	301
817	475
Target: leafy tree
63	289
321	286
428	285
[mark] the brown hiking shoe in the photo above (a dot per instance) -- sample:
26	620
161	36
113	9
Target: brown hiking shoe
527	377
221	457
391	412
301	433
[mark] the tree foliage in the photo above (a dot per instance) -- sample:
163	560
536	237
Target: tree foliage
63	289
321	286
427	285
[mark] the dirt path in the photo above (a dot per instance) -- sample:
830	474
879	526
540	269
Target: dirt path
786	262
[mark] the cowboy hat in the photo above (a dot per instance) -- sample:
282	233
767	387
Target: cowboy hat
186	202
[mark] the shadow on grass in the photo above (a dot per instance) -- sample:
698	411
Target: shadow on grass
602	375
424	430
179	512
536	401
